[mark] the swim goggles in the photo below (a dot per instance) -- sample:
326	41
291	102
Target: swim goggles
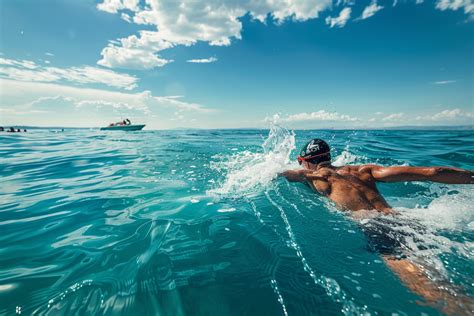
301	159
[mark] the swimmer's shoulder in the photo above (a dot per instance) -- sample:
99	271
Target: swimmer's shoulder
321	174
364	172
363	168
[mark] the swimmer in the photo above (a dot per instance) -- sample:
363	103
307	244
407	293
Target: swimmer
354	189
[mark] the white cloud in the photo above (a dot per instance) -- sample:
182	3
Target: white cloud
202	61
466	5
448	115
45	99
443	82
49	54
370	10
25	70
126	17
394	117
321	115
185	23
340	20
113	6
130	58
28	64
215	22
141	101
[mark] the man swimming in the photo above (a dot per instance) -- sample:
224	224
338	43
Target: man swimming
354	189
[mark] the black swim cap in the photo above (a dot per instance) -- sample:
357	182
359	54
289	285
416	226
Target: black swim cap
315	151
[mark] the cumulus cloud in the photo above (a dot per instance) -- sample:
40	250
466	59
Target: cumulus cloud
448	115
340	20
130	58
202	61
215	22
113	6
370	10
187	22
26	70
321	115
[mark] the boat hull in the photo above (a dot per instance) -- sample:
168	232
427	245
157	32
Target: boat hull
123	128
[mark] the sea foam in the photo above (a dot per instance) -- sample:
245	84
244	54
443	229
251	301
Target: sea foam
246	172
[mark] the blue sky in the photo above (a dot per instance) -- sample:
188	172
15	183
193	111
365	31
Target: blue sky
227	64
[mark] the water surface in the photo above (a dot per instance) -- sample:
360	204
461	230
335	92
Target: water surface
191	223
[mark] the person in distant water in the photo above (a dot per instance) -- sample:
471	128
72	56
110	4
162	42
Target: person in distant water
128	122
354	189
11	130
24	130
2	129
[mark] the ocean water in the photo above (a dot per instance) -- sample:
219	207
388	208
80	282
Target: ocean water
195	223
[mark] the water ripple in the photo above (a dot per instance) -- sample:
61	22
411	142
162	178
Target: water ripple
122	223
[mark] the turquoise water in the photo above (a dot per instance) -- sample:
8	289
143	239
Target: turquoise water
191	223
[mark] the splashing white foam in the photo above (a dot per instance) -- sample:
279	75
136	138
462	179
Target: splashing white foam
426	232
451	210
345	158
247	171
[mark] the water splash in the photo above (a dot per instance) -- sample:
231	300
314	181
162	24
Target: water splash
451	209
248	172
346	158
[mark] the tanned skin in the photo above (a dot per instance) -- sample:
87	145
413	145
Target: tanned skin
354	189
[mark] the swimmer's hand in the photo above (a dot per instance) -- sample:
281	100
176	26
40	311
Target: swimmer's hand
435	174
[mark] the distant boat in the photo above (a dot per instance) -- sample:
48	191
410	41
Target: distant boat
135	127
125	125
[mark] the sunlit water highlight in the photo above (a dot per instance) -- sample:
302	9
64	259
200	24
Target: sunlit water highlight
197	223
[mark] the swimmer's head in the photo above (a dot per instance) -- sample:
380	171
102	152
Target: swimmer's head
315	151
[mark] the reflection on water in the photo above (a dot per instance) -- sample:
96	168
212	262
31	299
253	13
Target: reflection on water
195	223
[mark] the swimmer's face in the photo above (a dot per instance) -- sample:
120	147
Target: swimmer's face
304	164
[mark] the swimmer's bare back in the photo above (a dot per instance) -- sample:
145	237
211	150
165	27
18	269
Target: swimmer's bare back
353	188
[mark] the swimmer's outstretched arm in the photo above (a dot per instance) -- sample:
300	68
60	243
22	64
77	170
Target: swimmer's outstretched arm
435	174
